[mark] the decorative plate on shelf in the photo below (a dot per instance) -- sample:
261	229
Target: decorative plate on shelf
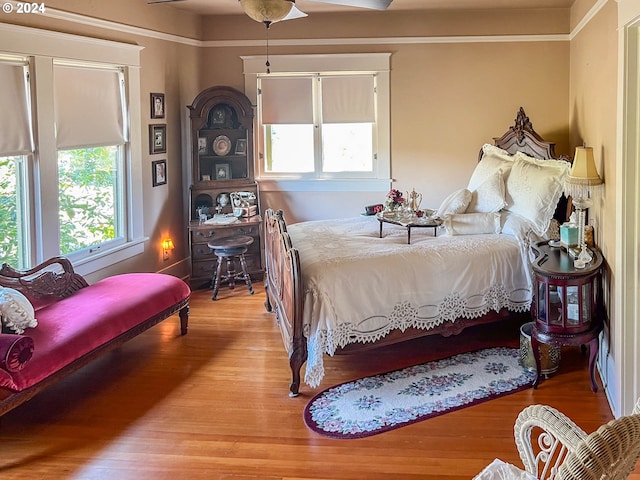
221	145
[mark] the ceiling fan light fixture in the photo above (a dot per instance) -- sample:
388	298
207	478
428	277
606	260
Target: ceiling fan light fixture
267	11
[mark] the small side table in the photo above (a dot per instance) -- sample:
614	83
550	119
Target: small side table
419	222
567	304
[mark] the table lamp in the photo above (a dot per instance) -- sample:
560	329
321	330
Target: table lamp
581	183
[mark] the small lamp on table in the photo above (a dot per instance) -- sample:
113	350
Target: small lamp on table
581	183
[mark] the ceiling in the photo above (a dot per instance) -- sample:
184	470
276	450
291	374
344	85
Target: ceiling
232	7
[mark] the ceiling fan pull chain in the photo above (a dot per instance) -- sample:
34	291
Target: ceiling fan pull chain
268	24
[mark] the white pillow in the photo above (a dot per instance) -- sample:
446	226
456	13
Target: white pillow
456	202
472	223
493	159
534	188
489	196
16	311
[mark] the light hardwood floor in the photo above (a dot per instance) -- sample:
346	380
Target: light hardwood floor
213	405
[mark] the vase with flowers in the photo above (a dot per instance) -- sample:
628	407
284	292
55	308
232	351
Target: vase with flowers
394	202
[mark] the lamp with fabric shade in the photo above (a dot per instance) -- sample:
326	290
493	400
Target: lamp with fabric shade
581	183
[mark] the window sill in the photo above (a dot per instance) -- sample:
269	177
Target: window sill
323	185
89	265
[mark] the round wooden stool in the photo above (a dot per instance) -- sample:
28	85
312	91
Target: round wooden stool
230	248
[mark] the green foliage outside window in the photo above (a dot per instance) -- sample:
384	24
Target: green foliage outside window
87	192
9	246
87	196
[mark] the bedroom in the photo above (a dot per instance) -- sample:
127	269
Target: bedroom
567	83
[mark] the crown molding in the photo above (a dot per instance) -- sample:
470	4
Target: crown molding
587	18
145	32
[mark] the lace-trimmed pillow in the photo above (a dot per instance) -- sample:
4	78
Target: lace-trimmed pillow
456	202
534	188
16	311
489	196
493	159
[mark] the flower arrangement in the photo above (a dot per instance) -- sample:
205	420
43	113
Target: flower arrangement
394	199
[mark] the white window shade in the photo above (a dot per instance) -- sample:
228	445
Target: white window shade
348	99
15	123
88	106
286	100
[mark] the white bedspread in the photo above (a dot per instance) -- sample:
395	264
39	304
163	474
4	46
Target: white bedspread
359	287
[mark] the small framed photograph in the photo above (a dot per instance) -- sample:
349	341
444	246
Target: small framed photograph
222	171
241	146
157	105
206	178
159	172
202	146
158	138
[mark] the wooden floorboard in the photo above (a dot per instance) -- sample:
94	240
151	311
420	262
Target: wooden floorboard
214	405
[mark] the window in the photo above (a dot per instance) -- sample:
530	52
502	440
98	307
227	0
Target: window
16	144
342	107
90	138
322	118
68	170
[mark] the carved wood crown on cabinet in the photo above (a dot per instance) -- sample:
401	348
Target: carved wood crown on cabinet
221	163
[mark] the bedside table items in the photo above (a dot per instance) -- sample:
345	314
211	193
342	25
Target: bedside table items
580	184
569	233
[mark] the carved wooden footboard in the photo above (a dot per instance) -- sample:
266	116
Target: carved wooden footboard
284	291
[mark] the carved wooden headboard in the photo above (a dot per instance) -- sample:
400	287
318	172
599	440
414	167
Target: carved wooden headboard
521	137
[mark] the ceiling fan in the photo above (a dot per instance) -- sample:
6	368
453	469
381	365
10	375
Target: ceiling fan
271	11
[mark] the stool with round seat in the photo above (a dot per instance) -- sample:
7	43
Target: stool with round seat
228	249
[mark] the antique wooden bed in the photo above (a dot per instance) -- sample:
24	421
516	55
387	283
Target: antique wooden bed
285	281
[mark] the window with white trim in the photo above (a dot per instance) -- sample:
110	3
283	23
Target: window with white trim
16	147
90	140
322	118
67	162
319	125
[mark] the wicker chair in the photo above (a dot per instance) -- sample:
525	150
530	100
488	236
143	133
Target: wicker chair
552	447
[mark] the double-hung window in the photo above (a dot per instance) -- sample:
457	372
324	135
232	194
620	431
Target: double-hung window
322	118
16	147
69	161
90	142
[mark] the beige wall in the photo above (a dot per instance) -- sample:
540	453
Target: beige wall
593	121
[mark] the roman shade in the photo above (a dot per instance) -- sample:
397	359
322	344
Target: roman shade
287	100
88	107
348	99
15	121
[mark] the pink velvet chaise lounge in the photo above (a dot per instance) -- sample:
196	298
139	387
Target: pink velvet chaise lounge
77	322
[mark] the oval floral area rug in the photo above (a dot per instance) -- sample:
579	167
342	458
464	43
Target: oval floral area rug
376	404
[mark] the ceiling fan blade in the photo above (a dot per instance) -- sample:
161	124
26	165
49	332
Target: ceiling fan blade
371	4
294	13
154	2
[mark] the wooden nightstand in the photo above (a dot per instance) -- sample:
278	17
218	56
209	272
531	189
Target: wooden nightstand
567	306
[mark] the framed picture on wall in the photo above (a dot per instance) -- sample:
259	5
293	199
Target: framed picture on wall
157	105
159	172
158	138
